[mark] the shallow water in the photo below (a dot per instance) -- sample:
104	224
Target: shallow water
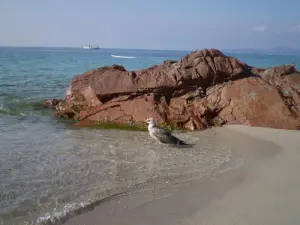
55	167
48	168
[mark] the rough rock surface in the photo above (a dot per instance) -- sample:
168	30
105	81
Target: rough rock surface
287	81
51	103
202	89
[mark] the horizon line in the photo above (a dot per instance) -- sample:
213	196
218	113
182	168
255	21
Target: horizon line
123	48
155	49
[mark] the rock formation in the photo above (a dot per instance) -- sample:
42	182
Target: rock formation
202	89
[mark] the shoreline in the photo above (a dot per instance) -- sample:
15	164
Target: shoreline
223	199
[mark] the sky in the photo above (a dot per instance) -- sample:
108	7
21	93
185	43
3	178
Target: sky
151	24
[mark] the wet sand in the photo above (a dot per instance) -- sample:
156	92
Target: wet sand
265	189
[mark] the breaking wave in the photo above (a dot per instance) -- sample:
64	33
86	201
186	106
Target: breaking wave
18	106
68	211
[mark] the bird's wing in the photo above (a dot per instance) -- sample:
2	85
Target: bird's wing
164	136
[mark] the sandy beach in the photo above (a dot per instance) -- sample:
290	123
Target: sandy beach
263	190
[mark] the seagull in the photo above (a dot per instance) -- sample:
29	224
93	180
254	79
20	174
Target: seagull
161	135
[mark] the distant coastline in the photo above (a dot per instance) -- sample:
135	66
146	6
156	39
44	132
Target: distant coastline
277	51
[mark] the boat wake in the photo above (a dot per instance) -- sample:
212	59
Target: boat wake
123	57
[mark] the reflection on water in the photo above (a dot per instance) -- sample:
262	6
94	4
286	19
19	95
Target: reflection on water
45	166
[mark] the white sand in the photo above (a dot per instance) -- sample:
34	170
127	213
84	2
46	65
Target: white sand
270	192
264	191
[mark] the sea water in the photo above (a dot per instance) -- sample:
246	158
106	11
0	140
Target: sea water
50	170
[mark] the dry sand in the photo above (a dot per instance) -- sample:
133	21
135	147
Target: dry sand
265	190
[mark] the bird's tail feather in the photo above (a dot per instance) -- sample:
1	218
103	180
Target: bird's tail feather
182	142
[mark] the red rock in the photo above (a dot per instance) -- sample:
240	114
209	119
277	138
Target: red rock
203	88
85	123
287	80
250	101
51	103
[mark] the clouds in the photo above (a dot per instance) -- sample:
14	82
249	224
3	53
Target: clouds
260	28
296	28
277	29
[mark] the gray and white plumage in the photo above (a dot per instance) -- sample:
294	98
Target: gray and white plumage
161	135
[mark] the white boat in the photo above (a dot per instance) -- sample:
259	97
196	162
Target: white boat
90	47
123	56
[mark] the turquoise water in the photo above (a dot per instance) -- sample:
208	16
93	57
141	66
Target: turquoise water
48	168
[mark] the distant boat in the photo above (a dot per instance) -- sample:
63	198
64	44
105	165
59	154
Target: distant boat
90	47
123	57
